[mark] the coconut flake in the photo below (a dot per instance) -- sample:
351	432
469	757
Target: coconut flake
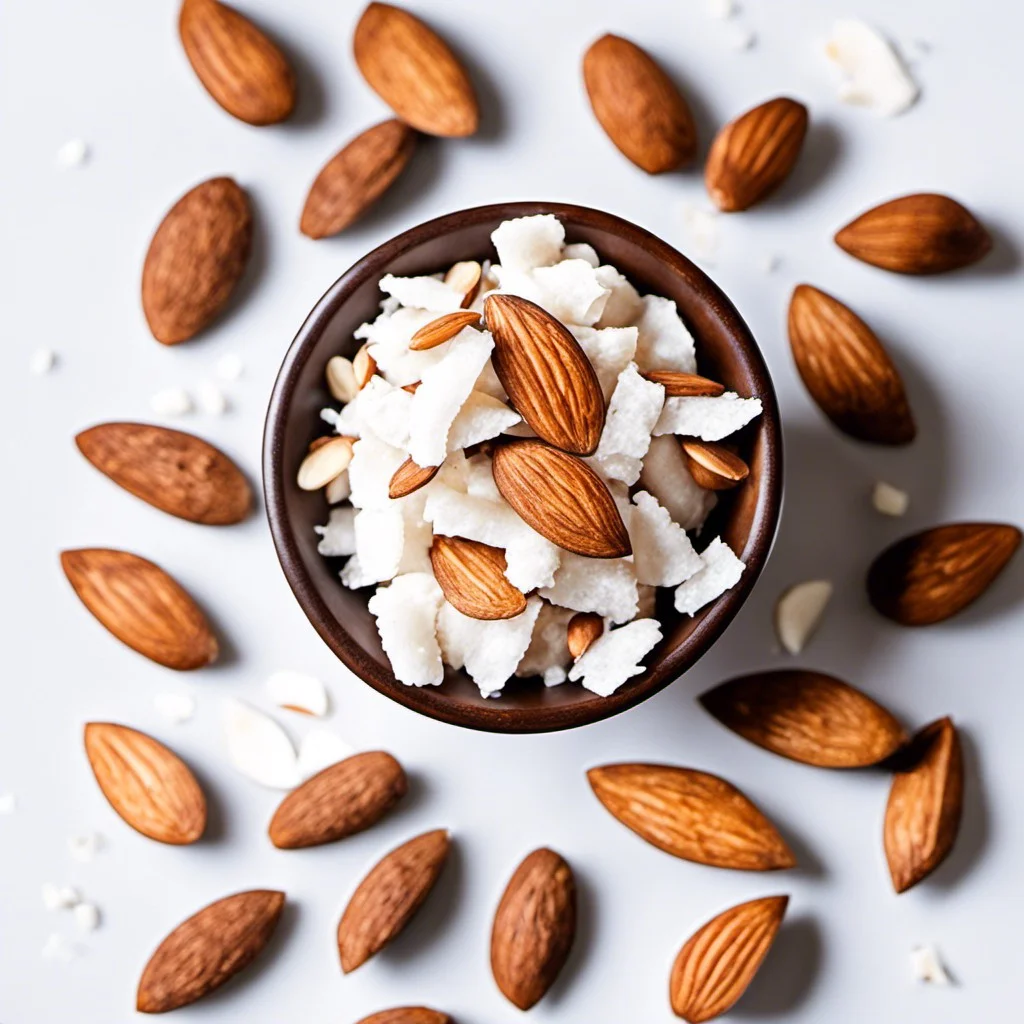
369	473
798	613
582	251
87	917
171	402
60	897
380	542
406	612
338	535
385	411
664	342
710	419
873	74
258	747
572	292
298	691
720	571
666	476
609	349
528	242
74	153
212	401
633	411
616	656
480	418
549	649
84	848
889	500
928	966
230	367
175	707
42	361
603	585
422	293
319	749
662	552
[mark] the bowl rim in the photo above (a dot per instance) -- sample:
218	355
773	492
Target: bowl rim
426	700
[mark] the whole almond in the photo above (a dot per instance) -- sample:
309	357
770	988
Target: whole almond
415	72
685	385
340	801
638	106
930	576
388	896
916	234
443	329
327	459
713	466
176	472
561	497
754	154
142	606
546	374
238	65
407	1015
808	717
472	577
922	817
150	787
356	177
208	949
196	258
692	815
534	927
721	958
409	477
847	371
581	631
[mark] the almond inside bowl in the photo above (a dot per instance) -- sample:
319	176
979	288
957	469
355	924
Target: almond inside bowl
746	517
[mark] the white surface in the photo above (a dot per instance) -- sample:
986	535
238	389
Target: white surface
113	74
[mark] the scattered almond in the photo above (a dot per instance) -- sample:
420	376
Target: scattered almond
719	961
847	371
472	577
917	234
692	815
443	329
685	385
713	466
930	576
176	472
638	105
238	65
325	461
546	374
142	606
364	366
561	497
798	613
388	896
407	1015
202	953
808	717
340	801
356	177
413	70
409	477
581	631
534	927
341	379
196	259
465	277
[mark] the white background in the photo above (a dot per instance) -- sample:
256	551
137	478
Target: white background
112	72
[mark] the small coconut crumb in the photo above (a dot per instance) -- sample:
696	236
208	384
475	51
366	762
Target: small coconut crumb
230	366
928	966
59	949
87	917
662	551
606	586
526	243
74	153
710	419
171	402
799	611
8	803
85	847
298	691
721	572
60	897
406	613
338	534
422	293
873	74
742	39
212	400
889	500
664	342
666	476
258	747
701	226
319	749
175	707
634	409
42	362
555	675
616	656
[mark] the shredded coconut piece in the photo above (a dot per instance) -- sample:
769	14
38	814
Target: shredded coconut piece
171	402
85	847
615	657
603	585
666	475
549	649
710	419
230	366
406	613
721	571
42	362
525	243
74	153
422	293
664	342
633	411
87	917
662	552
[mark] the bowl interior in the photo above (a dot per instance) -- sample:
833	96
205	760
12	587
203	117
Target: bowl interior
745	517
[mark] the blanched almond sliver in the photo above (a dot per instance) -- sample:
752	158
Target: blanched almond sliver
799	611
297	691
341	379
465	277
443	329
258	747
685	385
326	460
889	500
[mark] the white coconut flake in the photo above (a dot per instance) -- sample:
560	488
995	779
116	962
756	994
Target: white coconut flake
87	917
60	897
889	500
298	691
548	648
634	409
42	362
664	342
623	306
928	966
175	707
171	402
572	292
230	367
258	747
74	153
480	479
59	949
380	542
369	473
84	848
720	571
616	656
480	418
582	251
710	419
603	585
319	749
609	349
662	551
798	613
8	803
525	243
422	293
338	534
873	74
212	401
666	476
385	410
406	613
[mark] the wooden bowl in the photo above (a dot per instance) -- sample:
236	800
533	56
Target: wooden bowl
746	517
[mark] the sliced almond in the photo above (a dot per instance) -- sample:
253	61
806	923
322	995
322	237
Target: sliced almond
142	606
341	379
534	927
443	329
713	466
561	497
719	961
150	787
298	691
692	815
208	949
340	801
808	717
364	366
388	896
465	277
472	576
798	613
930	576
409	477
328	458
258	747
685	385
582	630
546	374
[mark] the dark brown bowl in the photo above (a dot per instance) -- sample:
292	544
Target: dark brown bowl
746	518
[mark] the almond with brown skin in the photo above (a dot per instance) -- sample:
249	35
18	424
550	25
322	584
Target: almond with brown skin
409	477
534	927
917	234
930	576
685	385
561	497
546	374
356	177
472	576
142	606
582	630
713	466
407	1015
208	949
415	72
176	472
754	154
196	258
925	803
692	815
150	787
808	717
847	371
443	329
638	106
388	896
239	66
721	958
465	277
340	801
